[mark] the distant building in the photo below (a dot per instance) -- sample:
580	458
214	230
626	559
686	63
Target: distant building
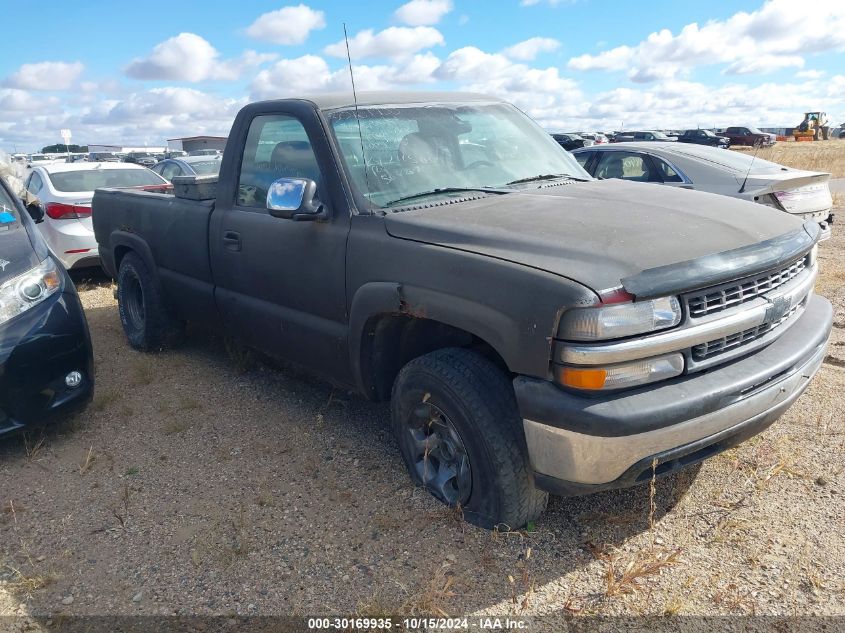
124	149
194	143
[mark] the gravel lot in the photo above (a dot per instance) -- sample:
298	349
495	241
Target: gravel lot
194	485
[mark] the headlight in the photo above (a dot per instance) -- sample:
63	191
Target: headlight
29	289
619	320
631	374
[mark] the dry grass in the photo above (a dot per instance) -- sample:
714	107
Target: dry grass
828	156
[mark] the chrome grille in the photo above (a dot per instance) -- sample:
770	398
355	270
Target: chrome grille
720	298
720	345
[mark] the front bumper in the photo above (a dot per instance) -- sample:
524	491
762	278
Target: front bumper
37	350
580	444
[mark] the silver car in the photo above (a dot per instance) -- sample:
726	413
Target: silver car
188	166
735	174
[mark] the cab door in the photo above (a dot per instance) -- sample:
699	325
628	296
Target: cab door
280	283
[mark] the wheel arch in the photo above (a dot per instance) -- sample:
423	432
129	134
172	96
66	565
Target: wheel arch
391	324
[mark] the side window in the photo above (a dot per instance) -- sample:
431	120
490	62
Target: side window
625	165
170	170
277	146
666	173
35	184
583	158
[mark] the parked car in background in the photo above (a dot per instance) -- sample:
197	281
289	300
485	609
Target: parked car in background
805	194
596	137
704	137
646	135
46	360
188	166
63	207
40	159
569	141
749	136
206	152
103	157
596	336
175	153
141	158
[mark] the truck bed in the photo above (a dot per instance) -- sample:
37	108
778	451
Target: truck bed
160	227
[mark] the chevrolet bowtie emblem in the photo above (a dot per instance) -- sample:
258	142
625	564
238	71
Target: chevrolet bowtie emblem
778	308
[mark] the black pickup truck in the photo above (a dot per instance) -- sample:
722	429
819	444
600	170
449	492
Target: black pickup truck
535	330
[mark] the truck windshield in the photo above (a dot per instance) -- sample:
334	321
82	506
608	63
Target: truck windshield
419	149
91	179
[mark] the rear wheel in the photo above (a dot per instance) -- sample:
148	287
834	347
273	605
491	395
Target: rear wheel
148	323
459	430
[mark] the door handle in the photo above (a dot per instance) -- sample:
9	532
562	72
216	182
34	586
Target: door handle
232	240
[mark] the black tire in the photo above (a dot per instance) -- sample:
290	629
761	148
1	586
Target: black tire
148	323
477	399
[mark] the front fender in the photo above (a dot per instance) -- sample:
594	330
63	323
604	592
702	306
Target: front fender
375	299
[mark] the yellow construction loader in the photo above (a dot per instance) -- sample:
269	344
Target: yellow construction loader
814	126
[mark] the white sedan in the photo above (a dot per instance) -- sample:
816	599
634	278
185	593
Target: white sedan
63	207
739	175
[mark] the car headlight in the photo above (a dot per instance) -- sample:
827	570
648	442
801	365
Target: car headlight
619	320
29	289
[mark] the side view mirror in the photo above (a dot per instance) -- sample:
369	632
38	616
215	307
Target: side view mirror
35	210
294	199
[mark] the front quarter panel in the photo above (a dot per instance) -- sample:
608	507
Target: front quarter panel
513	308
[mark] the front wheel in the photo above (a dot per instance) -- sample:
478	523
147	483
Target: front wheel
459	430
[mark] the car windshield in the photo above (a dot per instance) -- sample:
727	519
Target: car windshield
91	179
8	215
206	166
413	150
658	135
754	130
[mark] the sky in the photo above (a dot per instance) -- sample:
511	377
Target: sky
137	74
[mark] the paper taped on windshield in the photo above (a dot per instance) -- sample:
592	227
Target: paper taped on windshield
711	270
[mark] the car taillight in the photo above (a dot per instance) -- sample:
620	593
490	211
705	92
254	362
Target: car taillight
61	211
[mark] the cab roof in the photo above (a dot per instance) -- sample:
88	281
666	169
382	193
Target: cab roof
331	101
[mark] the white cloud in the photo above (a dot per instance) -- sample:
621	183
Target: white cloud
311	73
810	74
45	76
423	12
393	42
764	64
288	25
762	41
530	48
538	91
189	57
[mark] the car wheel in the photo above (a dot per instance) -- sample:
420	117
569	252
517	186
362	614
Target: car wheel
147	322
460	434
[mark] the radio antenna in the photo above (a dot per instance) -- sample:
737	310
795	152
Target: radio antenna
757	145
357	117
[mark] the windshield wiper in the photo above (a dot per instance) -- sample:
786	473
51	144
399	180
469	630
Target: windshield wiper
543	177
422	194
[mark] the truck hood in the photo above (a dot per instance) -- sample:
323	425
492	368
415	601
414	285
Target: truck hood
600	232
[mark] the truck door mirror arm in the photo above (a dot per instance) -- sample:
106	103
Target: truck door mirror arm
295	199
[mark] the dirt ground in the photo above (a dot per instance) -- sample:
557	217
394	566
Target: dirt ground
191	486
